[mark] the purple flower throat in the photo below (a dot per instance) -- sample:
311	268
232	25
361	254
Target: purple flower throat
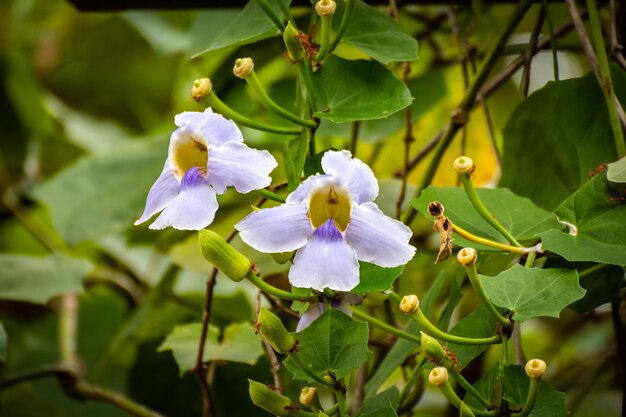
328	231
193	177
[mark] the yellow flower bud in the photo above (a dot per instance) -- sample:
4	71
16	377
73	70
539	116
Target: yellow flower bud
467	256
275	332
438	376
308	395
409	304
535	368
464	165
325	7
243	67
201	88
223	256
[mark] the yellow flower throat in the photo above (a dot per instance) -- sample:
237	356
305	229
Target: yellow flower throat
189	155
329	201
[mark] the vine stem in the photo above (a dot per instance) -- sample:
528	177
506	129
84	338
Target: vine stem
276	292
483	241
384	326
208	409
271	195
271	14
468	101
475	281
454	399
469	388
343	26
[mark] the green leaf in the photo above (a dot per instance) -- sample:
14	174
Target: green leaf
556	135
238	344
250	25
294	156
601	287
478	323
515	383
358	90
485	386
600	226
376	278
38	279
378	35
616	175
530	292
103	194
332	343
381	405
517	214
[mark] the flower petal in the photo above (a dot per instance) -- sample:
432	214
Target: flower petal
352	173
313	312
164	190
208	127
326	261
378	239
193	208
277	229
303	192
236	164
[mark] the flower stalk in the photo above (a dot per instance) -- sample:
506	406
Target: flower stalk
432	330
325	9
384	326
345	23
535	368
439	378
200	92
472	273
271	195
276	292
465	167
491	243
267	9
244	68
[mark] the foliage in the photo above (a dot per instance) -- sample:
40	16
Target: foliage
115	313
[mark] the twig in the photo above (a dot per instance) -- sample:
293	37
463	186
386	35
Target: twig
275	368
520	358
620	341
208	409
422	153
534	37
359	389
555	57
354	136
103	394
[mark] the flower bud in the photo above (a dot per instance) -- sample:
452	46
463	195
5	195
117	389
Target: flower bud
266	398
308	395
243	67
433	351
274	331
464	165
535	368
409	304
292	43
201	87
223	256
467	256
438	376
325	7
435	209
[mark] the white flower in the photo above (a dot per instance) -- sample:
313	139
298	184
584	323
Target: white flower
332	223
206	154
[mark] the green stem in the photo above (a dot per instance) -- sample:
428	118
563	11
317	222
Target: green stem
271	196
219	106
384	326
591	270
432	330
468	186
605	76
533	390
271	105
469	99
468	387
555	58
504	360
454	399
475	281
305	74
345	23
307	370
102	394
341	402
483	241
325	38
530	259
271	14
413	380
276	292
285	9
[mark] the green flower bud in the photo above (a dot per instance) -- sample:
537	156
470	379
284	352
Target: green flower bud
201	88
292	43
325	7
308	395
223	256
535	368
467	256
464	165
243	67
409	304
433	351
438	376
274	331
271	401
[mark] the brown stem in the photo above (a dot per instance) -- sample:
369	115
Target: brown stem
534	37
96	392
620	341
208	409
275	368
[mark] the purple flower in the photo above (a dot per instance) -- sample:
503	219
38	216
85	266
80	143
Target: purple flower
332	223
206	154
